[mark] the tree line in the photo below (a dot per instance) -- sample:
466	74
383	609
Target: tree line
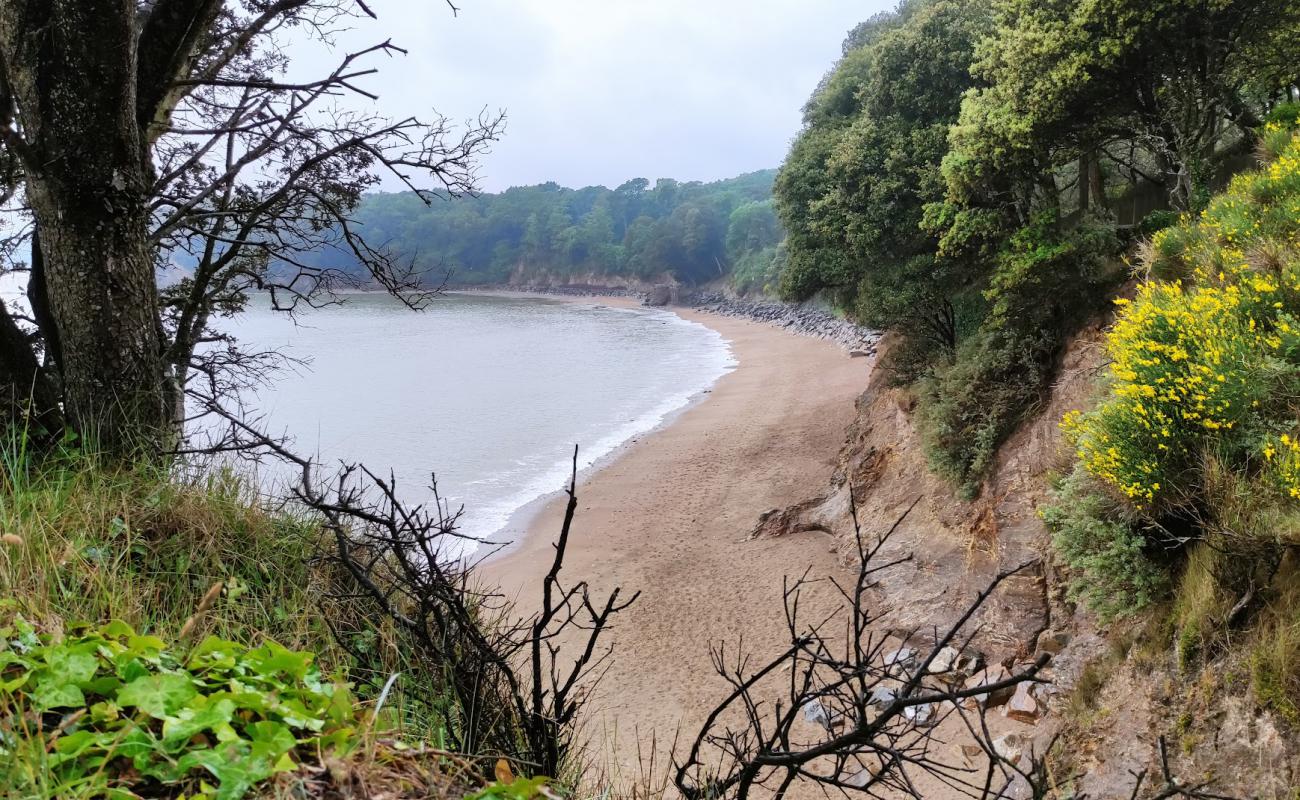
694	232
970	170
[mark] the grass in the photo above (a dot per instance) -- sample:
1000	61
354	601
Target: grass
1275	651
181	557
85	542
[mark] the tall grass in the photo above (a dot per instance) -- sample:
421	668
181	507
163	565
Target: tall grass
86	541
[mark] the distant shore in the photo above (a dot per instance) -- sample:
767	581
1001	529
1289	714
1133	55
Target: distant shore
670	514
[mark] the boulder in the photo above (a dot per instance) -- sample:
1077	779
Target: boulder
994	674
1023	706
659	295
943	661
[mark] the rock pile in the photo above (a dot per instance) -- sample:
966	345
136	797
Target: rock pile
804	318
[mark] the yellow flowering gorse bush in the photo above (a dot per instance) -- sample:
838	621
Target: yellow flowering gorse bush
1207	358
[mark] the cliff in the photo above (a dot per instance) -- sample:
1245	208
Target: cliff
1115	690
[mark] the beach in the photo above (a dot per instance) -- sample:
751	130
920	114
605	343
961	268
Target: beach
671	515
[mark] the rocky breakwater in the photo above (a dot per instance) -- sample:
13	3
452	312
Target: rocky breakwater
805	318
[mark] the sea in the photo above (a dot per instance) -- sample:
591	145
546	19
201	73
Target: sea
487	394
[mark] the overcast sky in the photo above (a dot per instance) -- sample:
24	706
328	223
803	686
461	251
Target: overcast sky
599	91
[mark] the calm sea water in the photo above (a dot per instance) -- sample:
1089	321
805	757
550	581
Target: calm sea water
489	393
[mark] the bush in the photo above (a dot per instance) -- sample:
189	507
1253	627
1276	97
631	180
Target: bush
1111	571
1210	365
970	405
1046	281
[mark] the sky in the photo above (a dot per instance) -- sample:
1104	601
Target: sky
600	91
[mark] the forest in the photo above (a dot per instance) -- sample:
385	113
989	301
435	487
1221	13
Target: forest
695	232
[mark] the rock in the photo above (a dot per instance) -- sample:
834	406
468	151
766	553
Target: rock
859	354
1022	706
994	674
899	663
969	664
943	661
1052	641
816	713
920	715
659	295
1009	746
883	695
862	777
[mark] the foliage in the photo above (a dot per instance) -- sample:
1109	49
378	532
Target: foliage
1112	571
1161	92
140	545
852	190
1045	281
696	232
1208	361
105	711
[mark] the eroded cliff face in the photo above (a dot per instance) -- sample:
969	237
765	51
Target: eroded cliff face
1114	691
956	547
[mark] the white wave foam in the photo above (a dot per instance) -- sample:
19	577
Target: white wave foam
488	521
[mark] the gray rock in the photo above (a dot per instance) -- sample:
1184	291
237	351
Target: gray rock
943	661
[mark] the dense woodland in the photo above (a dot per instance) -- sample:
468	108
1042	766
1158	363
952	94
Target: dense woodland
693	232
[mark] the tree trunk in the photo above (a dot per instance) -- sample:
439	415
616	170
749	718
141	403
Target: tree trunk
70	65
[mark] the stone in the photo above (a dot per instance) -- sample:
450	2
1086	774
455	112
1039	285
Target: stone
920	715
994	674
969	663
815	712
899	663
1053	641
883	695
862	777
1023	707
659	295
859	354
1009	746
943	661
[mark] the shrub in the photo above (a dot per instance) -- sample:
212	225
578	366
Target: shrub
107	712
1208	365
970	405
1046	281
1111	571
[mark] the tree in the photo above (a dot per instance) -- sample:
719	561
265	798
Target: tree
854	188
1165	93
140	134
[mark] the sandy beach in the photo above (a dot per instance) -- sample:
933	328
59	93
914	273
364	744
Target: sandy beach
670	517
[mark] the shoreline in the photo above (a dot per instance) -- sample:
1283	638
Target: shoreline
519	525
669	514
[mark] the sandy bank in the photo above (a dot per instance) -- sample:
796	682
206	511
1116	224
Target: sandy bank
670	516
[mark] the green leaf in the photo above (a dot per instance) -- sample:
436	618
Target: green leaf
272	658
190	720
116	629
273	737
69	665
49	694
159	695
